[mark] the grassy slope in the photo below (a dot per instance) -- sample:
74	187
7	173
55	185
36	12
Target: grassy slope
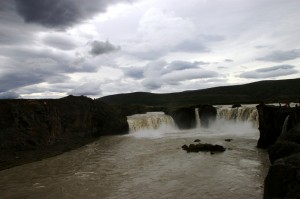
267	91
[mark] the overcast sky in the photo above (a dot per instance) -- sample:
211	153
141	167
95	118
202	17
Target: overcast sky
53	48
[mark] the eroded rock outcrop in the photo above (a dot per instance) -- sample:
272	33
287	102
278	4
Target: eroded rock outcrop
185	117
271	119
30	123
208	115
283	179
280	132
42	124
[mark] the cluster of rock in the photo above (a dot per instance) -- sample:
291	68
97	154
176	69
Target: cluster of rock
282	138
203	147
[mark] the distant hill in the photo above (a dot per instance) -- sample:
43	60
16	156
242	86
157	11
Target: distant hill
262	91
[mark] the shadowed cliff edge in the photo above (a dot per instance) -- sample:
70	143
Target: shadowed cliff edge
280	134
35	129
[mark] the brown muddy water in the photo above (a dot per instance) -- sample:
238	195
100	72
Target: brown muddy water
147	164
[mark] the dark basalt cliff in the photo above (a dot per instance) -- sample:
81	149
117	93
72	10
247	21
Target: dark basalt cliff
282	138
37	125
271	119
185	117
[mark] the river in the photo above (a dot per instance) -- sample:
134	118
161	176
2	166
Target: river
148	164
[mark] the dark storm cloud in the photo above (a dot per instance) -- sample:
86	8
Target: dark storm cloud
9	95
16	79
101	47
280	56
12	28
60	13
275	71
33	66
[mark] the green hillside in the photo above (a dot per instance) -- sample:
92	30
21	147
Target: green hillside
266	91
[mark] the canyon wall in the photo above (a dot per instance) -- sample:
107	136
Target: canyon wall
280	134
31	130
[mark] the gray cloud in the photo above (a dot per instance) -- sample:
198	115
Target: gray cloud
228	60
17	79
87	89
280	56
60	13
134	72
9	95
31	66
263	46
191	46
100	47
275	71
13	31
46	60
159	73
59	42
179	65
190	74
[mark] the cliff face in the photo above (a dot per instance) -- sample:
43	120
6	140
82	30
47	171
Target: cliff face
185	117
32	130
282	180
271	119
27	124
283	142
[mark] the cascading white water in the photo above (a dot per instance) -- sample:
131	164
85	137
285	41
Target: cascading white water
149	121
198	124
242	114
284	126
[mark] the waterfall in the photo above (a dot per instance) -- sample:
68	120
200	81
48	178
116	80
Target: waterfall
149	121
242	114
198	124
284	126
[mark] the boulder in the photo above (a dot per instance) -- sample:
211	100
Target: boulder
283	179
292	135
282	149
